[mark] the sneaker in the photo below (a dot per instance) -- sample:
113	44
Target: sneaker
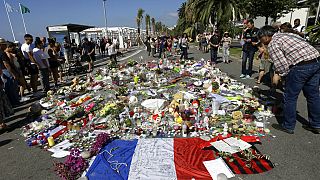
281	128
248	77
24	99
242	76
312	129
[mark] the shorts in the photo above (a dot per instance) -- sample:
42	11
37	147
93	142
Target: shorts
93	58
54	63
88	58
264	65
33	69
55	73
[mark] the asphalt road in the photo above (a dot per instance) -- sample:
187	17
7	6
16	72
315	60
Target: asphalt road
296	155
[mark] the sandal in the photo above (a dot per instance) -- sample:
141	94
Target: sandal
258	82
3	127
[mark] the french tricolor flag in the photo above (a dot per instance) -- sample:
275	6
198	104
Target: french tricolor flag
156	159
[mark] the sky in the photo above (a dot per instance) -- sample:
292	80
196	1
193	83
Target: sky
87	12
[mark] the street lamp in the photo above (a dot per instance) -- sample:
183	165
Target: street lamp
105	15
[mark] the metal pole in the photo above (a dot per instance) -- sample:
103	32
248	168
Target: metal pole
105	16
24	24
316	20
14	37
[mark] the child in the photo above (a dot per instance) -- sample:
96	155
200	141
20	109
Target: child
226	42
264	61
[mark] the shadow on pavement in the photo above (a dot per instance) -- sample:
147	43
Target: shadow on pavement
5	142
18	116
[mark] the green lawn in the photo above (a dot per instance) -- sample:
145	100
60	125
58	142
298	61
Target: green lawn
235	52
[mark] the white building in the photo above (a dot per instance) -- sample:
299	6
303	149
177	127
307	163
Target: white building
301	13
121	33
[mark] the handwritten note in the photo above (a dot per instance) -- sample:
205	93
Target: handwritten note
153	159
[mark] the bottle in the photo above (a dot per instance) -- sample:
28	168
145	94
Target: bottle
225	130
215	106
184	130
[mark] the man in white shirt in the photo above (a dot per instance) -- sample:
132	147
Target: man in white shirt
112	51
30	62
43	64
298	27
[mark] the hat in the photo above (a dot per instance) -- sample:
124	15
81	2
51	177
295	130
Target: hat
3	41
16	42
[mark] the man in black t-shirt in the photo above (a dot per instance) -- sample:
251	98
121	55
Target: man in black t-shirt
249	48
88	53
214	46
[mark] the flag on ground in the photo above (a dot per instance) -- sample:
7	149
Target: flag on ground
24	9
178	158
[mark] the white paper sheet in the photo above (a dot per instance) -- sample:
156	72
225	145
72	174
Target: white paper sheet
216	167
231	145
59	149
221	146
237	143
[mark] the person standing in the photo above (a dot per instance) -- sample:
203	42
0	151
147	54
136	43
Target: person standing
153	47
299	62
204	43
298	28
9	74
163	47
88	52
169	45
184	47
214	46
53	61
116	43
5	106
74	47
264	66
112	51
42	59
67	49
30	62
175	45
44	43
103	46
148	44
98	42
198	40
249	49
226	43
14	68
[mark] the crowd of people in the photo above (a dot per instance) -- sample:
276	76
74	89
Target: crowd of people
42	59
284	54
32	59
165	46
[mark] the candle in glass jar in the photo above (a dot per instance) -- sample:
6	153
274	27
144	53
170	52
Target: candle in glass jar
51	141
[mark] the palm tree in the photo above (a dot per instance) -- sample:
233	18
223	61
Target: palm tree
139	18
159	27
218	12
153	22
184	24
147	23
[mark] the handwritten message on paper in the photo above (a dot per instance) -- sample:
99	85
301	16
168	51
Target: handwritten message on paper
153	159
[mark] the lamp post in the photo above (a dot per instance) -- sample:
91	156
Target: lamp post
105	15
